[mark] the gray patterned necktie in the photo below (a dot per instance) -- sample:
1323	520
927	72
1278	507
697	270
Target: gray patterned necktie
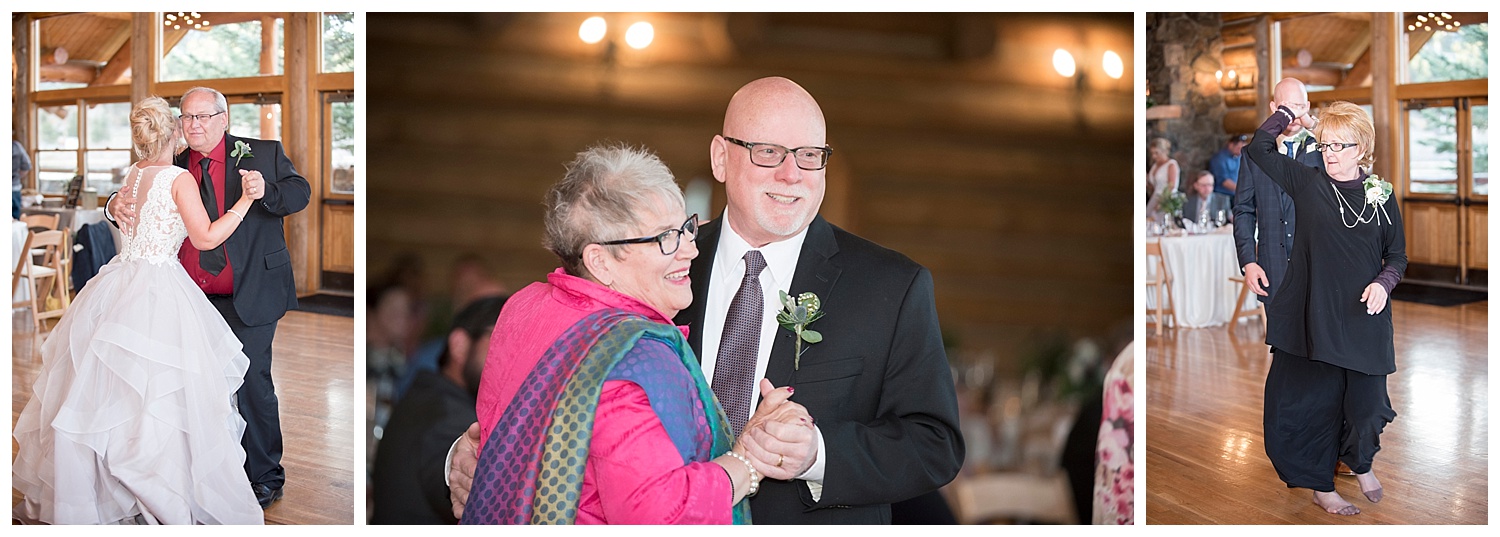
734	370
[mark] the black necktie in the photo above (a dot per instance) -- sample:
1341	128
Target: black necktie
210	260
734	369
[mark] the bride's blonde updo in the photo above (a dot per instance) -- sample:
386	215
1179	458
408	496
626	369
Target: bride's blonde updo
153	129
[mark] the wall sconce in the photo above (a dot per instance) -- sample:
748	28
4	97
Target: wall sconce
1235	79
1110	63
595	29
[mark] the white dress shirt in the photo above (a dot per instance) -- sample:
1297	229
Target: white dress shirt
726	275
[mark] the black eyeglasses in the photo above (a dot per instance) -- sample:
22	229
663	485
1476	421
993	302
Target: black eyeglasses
768	155
197	118
668	241
1335	146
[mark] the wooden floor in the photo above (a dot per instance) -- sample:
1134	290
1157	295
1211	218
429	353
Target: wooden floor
1205	463
314	373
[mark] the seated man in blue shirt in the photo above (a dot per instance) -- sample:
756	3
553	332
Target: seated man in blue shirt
1225	164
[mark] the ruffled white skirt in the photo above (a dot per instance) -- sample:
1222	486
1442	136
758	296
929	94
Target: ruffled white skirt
132	414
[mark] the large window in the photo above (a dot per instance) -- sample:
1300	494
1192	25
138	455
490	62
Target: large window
56	147
230	45
82	49
338	42
340	148
1460	54
1434	162
1481	141
102	151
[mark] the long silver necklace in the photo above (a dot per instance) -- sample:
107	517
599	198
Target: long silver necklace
1359	218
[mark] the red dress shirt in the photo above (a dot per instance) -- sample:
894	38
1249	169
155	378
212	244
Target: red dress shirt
223	284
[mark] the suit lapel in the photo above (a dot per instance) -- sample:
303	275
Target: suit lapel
698	272
816	273
232	187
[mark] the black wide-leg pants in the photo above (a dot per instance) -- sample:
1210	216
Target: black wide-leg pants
257	399
1317	414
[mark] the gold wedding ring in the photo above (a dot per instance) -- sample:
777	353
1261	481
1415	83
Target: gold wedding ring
780	459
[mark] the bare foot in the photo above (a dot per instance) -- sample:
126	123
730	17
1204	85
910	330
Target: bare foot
1334	504
1369	485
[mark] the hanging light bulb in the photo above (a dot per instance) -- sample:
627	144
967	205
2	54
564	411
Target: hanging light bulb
1062	61
592	30
1113	65
640	35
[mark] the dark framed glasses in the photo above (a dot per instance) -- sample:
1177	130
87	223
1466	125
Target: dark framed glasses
1335	146
768	155
668	241
196	118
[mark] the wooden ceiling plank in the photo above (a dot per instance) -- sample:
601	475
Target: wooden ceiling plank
1358	76
114	71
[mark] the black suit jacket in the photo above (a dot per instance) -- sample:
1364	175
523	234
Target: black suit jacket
1261	207
408	483
878	384
263	281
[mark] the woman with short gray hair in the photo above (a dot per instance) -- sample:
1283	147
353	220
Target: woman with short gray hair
592	408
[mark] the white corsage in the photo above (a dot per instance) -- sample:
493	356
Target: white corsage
1377	191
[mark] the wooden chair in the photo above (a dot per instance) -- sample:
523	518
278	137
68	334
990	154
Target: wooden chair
1162	281
1239	305
47	281
40	222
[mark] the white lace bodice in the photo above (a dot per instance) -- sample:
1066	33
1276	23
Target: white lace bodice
159	230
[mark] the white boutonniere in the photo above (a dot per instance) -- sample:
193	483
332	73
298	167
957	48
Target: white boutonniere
795	315
241	150
1377	190
1302	136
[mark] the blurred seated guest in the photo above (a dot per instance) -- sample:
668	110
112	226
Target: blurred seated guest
471	281
408	483
19	165
1225	164
389	317
591	396
1162	177
1114	482
1203	205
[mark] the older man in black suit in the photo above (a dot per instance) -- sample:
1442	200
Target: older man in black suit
249	277
1263	213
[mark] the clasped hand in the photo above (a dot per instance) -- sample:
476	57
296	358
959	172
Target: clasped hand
780	439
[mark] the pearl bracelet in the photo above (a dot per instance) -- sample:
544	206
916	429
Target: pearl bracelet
236	213
754	475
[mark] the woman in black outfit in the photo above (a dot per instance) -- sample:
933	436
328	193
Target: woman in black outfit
1330	330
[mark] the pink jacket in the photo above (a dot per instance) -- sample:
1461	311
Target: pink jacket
634	474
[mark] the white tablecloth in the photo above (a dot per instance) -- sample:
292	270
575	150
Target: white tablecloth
1200	266
17	240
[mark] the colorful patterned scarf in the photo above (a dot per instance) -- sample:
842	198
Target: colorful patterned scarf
531	470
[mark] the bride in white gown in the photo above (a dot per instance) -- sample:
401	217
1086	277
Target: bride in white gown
131	418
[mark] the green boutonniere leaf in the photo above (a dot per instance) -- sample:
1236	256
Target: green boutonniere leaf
795	315
241	150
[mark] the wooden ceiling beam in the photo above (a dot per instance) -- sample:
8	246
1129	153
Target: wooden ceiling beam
71	72
116	68
1313	76
1359	75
